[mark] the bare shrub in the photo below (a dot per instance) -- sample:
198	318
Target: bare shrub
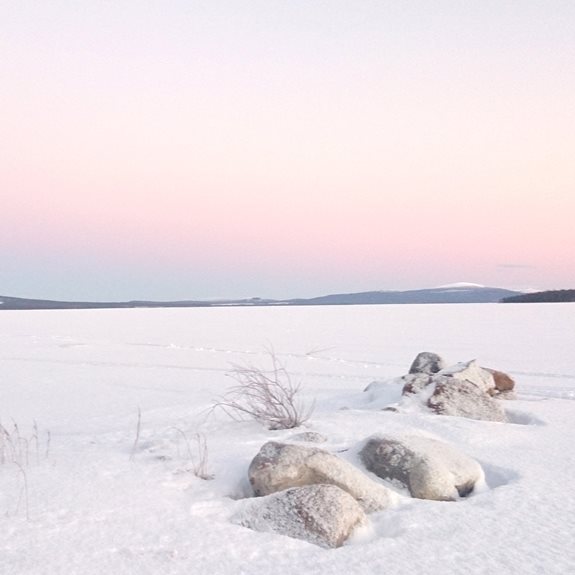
270	396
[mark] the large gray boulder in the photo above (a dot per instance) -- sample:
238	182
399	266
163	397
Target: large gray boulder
279	466
428	468
321	514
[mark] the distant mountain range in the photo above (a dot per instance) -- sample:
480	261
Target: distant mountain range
454	293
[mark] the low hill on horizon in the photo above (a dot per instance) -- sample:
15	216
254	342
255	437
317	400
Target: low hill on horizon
456	293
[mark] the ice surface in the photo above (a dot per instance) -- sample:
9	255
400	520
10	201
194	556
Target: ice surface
95	509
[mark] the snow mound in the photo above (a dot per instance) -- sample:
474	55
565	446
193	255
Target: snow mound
308	437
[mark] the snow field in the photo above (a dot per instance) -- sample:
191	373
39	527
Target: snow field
94	509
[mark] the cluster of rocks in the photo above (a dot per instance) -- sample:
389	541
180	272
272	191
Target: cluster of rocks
306	492
464	389
309	493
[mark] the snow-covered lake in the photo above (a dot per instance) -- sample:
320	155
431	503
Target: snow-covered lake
82	500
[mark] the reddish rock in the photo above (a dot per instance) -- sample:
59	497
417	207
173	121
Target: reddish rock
503	382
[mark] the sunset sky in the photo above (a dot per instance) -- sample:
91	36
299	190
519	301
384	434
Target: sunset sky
174	149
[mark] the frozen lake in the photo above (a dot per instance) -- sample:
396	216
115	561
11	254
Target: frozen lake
82	375
103	360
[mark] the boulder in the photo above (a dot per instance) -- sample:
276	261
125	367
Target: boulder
428	468
321	514
472	372
427	362
279	466
503	382
463	398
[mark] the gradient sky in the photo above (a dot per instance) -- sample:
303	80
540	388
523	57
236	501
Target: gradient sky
174	149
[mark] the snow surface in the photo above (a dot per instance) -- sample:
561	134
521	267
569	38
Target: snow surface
100	503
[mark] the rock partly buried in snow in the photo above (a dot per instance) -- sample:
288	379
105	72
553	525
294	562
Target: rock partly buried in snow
472	372
427	362
279	466
415	383
321	514
503	382
308	437
463	398
428	468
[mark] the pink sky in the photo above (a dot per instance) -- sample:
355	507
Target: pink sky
203	149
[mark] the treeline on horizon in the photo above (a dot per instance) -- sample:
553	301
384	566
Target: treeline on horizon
551	296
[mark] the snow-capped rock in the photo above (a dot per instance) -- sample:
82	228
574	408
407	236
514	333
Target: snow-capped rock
428	468
463	398
321	514
471	371
279	466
